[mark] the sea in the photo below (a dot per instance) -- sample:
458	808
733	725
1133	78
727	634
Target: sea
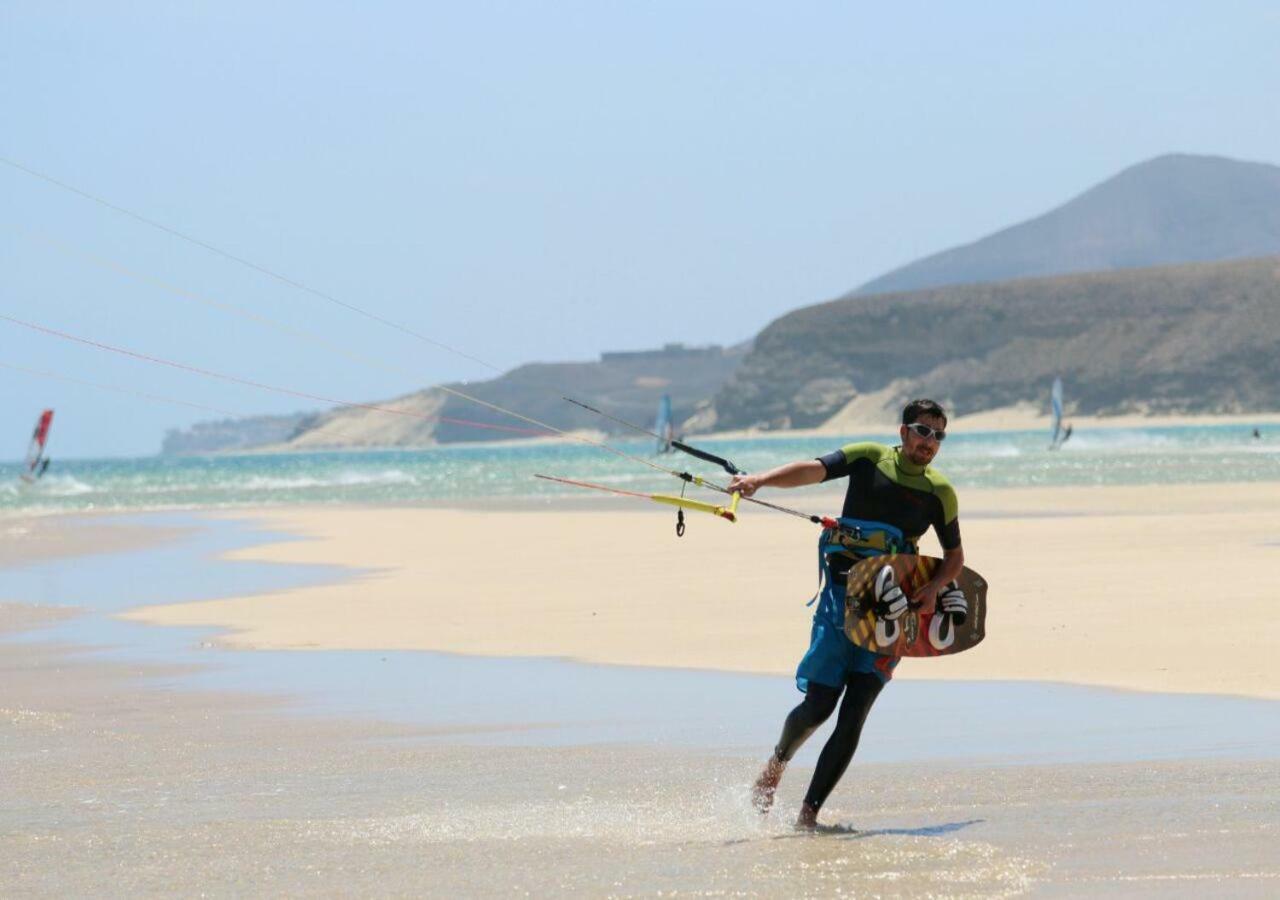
496	471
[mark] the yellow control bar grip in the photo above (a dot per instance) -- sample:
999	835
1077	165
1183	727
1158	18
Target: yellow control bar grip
731	514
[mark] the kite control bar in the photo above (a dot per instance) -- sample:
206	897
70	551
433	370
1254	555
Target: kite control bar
708	457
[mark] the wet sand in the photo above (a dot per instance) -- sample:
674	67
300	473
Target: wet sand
26	539
1145	588
117	783
115	788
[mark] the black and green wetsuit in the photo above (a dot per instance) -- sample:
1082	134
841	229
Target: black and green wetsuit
885	486
886	489
905	500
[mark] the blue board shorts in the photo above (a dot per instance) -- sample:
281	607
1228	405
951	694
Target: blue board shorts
832	657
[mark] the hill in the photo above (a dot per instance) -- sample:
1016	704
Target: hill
1197	339
231	434
1169	210
627	385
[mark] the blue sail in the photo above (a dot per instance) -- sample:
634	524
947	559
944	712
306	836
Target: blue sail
1055	400
663	426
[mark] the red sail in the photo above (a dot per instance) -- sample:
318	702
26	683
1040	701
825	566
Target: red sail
38	438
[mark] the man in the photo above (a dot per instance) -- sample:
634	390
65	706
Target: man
893	497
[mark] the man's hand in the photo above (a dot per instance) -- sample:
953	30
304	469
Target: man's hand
746	485
926	599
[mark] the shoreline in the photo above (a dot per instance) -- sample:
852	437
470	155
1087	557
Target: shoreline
27	537
1016	418
428	580
541	701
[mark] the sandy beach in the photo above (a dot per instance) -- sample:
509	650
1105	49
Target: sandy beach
120	785
1146	588
877	414
114	789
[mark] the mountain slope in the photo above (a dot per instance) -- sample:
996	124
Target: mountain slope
1196	338
1169	210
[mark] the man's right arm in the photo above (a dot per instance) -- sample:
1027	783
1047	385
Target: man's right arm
795	474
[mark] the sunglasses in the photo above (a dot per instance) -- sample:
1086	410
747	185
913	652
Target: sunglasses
926	432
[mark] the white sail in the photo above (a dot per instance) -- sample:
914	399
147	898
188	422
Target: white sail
1055	400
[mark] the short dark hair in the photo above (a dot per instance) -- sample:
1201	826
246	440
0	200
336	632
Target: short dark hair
917	408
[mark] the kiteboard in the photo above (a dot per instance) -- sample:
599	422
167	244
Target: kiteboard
914	633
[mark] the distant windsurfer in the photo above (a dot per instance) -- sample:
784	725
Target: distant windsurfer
893	497
664	426
36	463
1055	411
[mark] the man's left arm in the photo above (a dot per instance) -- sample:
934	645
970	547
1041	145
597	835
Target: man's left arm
946	524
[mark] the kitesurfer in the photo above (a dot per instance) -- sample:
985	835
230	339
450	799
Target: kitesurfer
893	497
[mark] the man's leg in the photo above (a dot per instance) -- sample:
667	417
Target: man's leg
818	704
860	693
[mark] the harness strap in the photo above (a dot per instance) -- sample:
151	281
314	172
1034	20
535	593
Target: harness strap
822	572
868	538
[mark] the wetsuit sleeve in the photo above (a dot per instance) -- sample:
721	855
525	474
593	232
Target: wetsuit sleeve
834	463
946	523
839	463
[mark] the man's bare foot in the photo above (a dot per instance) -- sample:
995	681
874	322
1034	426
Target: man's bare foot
808	818
767	784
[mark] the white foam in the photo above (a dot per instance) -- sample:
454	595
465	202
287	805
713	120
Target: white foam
61	486
347	478
1004	451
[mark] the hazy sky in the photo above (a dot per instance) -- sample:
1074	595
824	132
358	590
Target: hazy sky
540	181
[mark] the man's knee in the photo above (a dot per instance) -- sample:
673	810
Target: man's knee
820	702
860	693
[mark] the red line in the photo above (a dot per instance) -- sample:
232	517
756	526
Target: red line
596	487
260	385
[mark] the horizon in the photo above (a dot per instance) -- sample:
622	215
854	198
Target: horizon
527	166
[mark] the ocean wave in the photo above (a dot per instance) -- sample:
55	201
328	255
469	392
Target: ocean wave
348	478
1003	451
1123	439
58	486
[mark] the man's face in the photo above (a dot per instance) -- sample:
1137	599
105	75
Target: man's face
921	450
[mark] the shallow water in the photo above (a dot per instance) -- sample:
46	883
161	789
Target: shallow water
121	791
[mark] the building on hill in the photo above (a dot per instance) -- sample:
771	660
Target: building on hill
668	352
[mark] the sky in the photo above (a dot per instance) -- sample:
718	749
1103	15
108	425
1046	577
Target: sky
528	182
